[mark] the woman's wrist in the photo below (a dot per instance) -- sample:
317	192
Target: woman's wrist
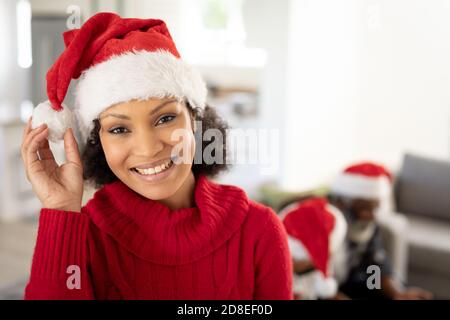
71	207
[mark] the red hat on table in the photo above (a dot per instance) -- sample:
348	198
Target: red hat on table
116	60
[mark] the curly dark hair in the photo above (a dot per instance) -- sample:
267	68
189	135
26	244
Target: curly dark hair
96	169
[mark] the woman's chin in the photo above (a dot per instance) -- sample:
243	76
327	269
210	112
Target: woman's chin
157	192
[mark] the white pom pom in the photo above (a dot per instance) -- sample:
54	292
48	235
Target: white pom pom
57	121
325	287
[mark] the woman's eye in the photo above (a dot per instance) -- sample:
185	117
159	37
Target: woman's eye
165	119
117	130
121	130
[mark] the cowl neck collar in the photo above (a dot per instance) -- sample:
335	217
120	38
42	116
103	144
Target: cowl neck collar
155	233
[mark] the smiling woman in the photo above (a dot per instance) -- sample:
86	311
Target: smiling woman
166	116
158	227
115	150
137	137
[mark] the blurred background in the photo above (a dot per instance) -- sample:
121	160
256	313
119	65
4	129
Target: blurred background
335	81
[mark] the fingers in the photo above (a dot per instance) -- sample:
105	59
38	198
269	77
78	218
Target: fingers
26	131
35	144
417	293
31	133
425	295
27	128
71	147
45	153
29	136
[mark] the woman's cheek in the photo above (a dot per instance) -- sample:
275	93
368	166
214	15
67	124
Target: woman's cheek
181	139
115	154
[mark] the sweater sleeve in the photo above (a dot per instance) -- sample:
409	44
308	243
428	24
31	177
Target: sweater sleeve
274	270
60	265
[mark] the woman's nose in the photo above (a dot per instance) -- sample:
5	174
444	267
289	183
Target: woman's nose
146	143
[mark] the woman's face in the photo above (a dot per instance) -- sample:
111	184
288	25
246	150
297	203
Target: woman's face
138	139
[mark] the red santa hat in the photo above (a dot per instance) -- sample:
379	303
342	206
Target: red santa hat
117	60
315	231
364	180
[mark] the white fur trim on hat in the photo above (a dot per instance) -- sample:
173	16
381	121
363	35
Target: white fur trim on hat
359	186
57	121
339	231
298	250
313	285
136	75
325	287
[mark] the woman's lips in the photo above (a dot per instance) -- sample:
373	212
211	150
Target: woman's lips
156	176
153	164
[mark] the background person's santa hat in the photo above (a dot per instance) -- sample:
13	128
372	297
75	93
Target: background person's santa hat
316	230
117	60
364	180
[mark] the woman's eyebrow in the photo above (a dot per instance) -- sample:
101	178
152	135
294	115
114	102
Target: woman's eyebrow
156	109
162	105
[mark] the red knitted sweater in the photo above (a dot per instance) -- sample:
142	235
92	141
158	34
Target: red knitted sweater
125	246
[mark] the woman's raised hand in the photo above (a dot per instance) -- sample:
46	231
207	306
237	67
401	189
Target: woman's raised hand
57	187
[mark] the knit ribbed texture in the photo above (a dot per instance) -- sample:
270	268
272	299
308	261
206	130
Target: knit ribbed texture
61	243
131	247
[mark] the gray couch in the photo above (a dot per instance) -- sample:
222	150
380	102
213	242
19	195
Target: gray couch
422	194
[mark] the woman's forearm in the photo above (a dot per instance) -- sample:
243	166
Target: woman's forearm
60	262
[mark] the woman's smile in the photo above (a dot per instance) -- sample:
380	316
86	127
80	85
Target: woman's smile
147	172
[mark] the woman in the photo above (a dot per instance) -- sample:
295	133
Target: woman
158	228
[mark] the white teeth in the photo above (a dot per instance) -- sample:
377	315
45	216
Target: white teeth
150	171
154	170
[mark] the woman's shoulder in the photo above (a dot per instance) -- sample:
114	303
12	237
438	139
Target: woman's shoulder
263	219
261	211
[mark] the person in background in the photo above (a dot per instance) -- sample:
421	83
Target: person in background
315	230
358	192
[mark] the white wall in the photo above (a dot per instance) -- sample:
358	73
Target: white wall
267	27
11	74
368	80
168	10
405	72
322	91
